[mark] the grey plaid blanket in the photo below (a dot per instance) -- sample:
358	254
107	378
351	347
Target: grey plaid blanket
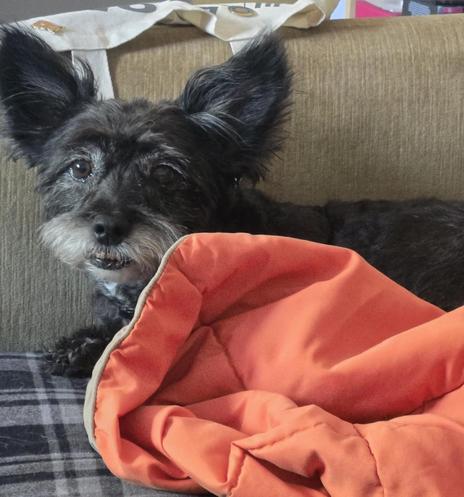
44	450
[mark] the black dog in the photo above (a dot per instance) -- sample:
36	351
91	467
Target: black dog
121	181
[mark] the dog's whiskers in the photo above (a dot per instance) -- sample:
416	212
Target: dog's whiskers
71	241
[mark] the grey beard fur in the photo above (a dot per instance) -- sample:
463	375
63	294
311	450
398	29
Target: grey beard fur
70	239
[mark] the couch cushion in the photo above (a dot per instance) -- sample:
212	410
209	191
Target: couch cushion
40	297
377	114
376	110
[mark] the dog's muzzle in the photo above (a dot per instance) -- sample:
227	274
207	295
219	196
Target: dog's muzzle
108	261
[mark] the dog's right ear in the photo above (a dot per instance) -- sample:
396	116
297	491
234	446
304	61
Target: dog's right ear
40	90
239	106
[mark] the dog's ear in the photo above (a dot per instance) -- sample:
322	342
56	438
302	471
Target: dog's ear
240	104
40	89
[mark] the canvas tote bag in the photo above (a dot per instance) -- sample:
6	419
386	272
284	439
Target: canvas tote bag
89	33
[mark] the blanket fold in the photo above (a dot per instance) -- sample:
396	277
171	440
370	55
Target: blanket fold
267	366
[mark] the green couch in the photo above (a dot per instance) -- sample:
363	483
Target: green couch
377	113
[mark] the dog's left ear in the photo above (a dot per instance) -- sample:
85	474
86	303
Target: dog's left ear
239	106
40	89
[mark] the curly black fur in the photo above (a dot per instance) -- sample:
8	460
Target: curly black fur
121	181
39	89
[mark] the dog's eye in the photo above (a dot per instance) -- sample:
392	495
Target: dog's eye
166	172
81	169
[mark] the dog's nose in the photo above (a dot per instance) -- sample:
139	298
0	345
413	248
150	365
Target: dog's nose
110	231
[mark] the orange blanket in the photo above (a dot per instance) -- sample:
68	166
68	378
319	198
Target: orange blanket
271	367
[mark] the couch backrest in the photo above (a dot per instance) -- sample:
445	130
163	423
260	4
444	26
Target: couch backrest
378	113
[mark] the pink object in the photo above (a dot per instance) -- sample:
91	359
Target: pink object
450	10
365	9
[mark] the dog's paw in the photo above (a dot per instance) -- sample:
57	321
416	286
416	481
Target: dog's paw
76	355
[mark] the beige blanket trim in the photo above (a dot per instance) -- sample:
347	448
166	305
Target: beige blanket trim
91	392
